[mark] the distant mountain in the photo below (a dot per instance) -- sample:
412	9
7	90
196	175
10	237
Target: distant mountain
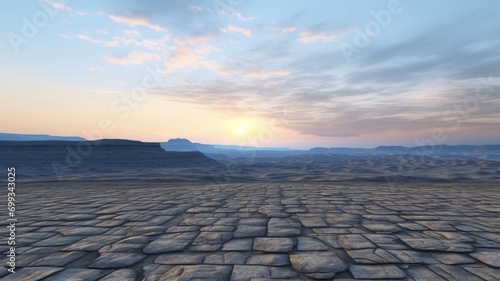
224	153
490	152
30	137
179	145
68	157
227	153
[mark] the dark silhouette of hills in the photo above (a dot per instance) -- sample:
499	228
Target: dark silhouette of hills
66	157
137	161
28	137
179	145
246	154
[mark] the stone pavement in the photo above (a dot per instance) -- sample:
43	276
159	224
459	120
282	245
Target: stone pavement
255	231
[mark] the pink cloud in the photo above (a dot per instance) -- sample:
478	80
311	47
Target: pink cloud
310	36
136	21
245	31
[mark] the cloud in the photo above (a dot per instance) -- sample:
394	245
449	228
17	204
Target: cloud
245	31
311	36
129	38
284	30
61	6
191	52
135	21
397	86
81	37
196	8
231	12
136	57
267	74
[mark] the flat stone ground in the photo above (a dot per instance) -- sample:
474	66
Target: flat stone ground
255	231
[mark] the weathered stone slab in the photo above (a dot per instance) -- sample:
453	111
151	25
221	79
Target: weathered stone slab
318	265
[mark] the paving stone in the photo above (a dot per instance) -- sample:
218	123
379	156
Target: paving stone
235	258
282	273
485	272
248	272
254	221
488	257
122	248
57	240
425	244
424	230
194	221
376	272
201	210
452	258
273	245
454	272
233	222
322	265
214	259
268	259
308	221
117	260
310	244
178	259
183	228
382	238
451	236
437	225
153	272
372	256
76	274
413	257
381	226
197	272
244	244
218	228
355	241
283	227
212	238
249	231
32	273
170	243
58	259
423	273
83	230
331	230
205	248
120	275
412	226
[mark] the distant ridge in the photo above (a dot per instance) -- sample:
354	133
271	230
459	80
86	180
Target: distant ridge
179	145
62	157
32	137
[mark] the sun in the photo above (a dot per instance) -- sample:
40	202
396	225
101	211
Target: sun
242	127
241	130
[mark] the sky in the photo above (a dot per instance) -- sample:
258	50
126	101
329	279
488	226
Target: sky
279	73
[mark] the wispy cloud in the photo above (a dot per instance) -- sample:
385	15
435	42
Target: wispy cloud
232	13
61	6
135	21
267	74
245	31
284	29
136	57
311	36
129	38
191	52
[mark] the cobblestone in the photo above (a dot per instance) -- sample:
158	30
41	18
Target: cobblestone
256	231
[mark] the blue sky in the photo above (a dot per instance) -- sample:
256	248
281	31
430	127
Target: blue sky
265	73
